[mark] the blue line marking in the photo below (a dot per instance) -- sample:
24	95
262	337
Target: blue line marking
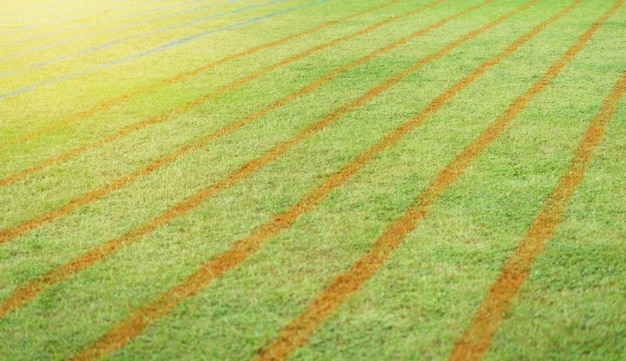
81	36
136	36
154	50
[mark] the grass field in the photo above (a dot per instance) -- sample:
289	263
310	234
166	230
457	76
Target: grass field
313	180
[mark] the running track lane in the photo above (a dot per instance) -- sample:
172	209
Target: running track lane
296	333
25	293
131	128
153	50
133	37
476	339
184	75
8	234
126	16
138	321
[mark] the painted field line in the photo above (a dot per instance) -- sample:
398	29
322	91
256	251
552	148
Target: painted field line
139	22
131	128
157	49
136	36
138	321
182	76
476	339
31	289
297	332
8	234
119	27
23	294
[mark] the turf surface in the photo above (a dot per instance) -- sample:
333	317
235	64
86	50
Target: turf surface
313	180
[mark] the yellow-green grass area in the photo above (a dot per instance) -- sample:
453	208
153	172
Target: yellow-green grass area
184	180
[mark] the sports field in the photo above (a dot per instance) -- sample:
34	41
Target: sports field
313	180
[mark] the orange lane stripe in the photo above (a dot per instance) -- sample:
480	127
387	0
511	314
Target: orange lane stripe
31	289
8	234
297	332
137	322
23	294
110	103
131	128
476	339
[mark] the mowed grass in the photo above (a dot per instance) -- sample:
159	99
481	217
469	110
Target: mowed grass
137	222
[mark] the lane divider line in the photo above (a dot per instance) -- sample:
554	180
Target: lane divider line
23	294
10	233
134	37
154	50
138	321
182	76
296	333
476	339
86	35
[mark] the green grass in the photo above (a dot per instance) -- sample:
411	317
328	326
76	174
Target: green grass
420	301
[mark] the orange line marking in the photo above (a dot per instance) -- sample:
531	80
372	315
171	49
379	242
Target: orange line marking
110	103
131	128
23	294
138	321
476	339
10	233
297	332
